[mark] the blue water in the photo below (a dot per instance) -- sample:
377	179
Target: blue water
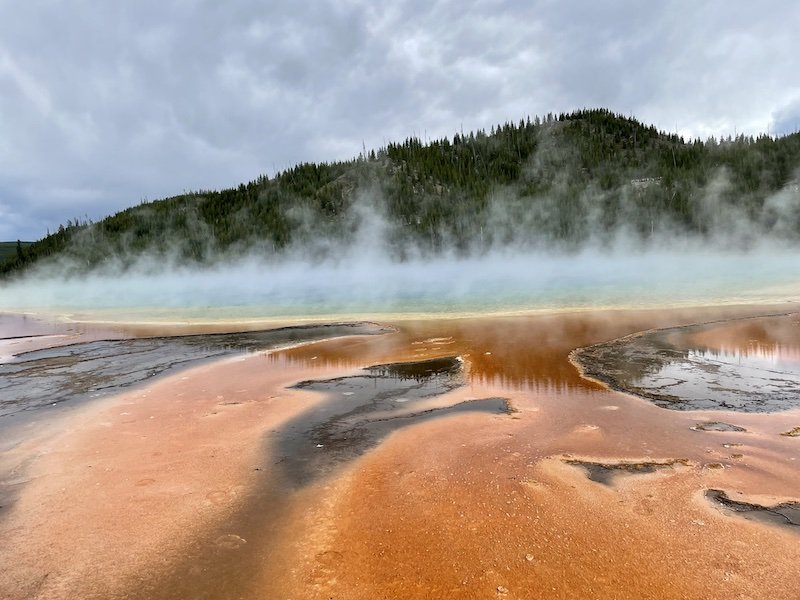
371	285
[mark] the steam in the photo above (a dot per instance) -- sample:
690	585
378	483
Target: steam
365	281
518	258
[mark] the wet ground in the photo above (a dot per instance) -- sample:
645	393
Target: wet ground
606	473
19	326
77	372
784	514
355	415
74	373
678	368
392	466
361	410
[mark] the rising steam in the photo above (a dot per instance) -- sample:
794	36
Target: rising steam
512	261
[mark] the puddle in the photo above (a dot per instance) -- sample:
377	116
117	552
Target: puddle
688	368
784	514
423	370
360	410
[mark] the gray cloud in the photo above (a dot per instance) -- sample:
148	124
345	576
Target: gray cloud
786	119
105	104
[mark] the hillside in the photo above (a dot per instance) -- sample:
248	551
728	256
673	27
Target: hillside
559	181
8	250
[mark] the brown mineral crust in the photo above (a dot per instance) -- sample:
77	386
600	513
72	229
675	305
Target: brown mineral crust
460	506
116	492
607	472
466	500
479	508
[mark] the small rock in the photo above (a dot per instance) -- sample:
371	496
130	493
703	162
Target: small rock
502	590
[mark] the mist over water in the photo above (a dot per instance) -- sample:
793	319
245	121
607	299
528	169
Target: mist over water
367	282
552	239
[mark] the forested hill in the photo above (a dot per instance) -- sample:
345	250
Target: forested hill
559	181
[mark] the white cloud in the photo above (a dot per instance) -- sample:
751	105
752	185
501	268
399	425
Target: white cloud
146	99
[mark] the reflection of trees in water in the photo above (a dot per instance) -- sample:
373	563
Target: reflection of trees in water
763	352
521	375
633	359
670	368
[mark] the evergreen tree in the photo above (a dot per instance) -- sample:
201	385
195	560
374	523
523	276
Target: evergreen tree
558	180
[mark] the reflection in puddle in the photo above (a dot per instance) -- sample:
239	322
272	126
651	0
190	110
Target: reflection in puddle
754	355
360	410
683	368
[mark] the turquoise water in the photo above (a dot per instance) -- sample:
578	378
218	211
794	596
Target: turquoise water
367	285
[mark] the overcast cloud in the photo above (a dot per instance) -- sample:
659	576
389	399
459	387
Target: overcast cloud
104	104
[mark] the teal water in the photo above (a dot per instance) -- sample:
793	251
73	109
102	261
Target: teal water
367	285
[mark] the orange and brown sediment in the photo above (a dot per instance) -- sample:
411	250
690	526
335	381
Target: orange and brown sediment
111	496
171	490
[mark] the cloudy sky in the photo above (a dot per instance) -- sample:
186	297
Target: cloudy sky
106	104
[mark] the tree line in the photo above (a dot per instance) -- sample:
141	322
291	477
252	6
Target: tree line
555	180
